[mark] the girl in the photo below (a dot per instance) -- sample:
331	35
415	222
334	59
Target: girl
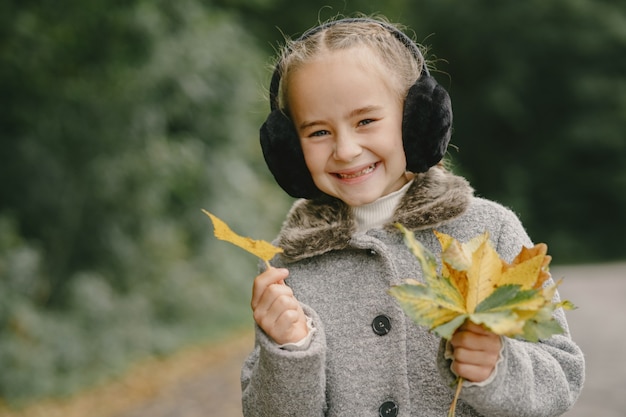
357	130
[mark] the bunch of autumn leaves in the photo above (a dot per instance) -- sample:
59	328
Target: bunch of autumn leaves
475	284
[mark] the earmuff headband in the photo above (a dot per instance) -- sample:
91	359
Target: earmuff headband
426	123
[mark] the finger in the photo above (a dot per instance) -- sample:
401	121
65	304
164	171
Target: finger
284	321
283	311
483	341
265	279
474	328
475	357
292	326
471	372
275	298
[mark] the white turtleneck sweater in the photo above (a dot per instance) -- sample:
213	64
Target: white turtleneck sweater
379	212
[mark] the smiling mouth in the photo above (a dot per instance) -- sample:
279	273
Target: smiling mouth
357	174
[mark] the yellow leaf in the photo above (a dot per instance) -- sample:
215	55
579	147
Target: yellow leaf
457	258
457	254
529	268
504	323
458	279
524	274
259	248
540	249
426	259
483	275
433	312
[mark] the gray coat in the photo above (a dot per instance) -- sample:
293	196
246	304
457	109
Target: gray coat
366	356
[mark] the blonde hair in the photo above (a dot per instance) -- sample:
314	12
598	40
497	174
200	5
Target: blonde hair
397	59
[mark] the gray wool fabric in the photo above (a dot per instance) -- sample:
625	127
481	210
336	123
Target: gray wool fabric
341	278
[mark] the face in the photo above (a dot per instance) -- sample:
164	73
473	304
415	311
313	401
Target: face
349	122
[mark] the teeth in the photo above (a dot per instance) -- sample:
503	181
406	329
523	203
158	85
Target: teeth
357	174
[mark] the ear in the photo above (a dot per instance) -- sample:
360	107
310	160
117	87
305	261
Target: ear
283	154
426	124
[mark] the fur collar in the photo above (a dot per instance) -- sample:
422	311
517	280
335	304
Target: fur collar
314	227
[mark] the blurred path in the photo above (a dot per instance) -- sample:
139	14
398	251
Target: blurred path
213	390
200	380
598	326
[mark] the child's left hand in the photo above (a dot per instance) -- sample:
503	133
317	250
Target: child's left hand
475	352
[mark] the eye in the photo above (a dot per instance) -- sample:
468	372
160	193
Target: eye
319	133
365	122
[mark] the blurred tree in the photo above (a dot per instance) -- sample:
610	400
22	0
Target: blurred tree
60	110
87	91
118	122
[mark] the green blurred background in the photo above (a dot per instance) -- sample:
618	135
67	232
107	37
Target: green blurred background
120	120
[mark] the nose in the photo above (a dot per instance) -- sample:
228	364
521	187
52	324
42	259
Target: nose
346	148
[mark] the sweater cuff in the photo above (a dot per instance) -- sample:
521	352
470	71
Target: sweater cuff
305	342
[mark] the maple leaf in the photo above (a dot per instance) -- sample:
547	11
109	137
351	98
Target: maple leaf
260	248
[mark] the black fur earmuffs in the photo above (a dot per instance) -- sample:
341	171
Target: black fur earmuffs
426	126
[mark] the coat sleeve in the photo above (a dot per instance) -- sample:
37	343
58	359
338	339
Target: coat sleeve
278	382
534	379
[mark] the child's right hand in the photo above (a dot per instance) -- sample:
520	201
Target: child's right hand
275	309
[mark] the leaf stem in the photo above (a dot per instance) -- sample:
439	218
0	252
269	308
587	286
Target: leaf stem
459	385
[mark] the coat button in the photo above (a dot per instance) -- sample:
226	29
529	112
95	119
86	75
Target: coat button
388	409
381	325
